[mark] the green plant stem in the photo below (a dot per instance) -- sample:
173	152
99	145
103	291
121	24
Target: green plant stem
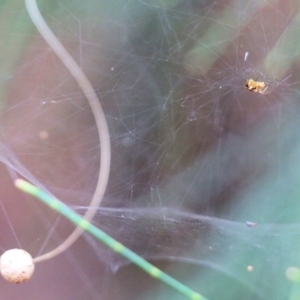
117	247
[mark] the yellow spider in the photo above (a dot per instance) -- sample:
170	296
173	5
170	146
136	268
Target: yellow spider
256	86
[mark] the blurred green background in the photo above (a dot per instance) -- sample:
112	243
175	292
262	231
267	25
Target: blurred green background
195	155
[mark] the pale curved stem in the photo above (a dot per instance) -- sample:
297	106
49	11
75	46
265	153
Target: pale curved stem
97	110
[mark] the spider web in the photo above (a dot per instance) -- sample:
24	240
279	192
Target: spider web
205	174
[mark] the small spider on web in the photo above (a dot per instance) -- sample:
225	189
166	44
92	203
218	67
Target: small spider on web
266	85
257	86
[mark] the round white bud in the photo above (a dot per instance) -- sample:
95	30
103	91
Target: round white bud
16	265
